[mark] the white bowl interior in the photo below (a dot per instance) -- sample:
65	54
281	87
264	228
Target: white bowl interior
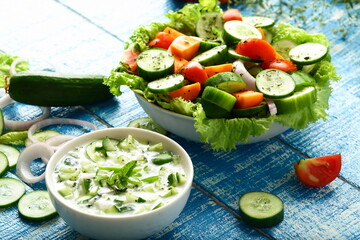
112	226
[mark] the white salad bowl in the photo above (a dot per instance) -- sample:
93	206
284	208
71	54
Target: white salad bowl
183	125
112	226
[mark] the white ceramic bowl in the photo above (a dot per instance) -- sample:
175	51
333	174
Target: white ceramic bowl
112	226
183	125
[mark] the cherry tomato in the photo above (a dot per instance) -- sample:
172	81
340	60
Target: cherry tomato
194	72
319	171
232	14
256	48
281	64
128	59
162	40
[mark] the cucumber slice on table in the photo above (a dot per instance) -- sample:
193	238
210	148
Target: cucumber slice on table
11	191
217	103
155	63
36	206
167	84
274	83
227	81
4	163
235	31
308	53
12	154
300	99
214	56
259	22
205	24
235	56
261	209
147	123
42	136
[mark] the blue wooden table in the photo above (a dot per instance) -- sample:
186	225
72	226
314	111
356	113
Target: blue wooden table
88	37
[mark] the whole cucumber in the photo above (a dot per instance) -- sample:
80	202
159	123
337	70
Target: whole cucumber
53	89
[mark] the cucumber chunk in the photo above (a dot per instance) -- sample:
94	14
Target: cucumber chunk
147	123
261	209
214	56
294	103
36	206
308	53
12	154
217	103
302	80
250	112
11	191
206	44
259	22
155	63
235	31
167	84
283	47
227	81
206	23
4	163
274	83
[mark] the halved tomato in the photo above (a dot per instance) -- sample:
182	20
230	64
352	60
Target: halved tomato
194	72
319	171
281	64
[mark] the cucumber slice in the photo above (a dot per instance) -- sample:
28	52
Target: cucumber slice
167	84
249	112
274	83
4	163
283	47
308	53
294	103
302	80
206	23
155	63
36	206
261	209
259	22
95	150
42	136
109	144
227	81
235	31
217	103
12	154
214	56
254	70
147	123
11	191
235	56
206	44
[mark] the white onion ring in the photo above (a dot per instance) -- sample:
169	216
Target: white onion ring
27	156
272	106
57	141
12	70
21	125
239	68
52	121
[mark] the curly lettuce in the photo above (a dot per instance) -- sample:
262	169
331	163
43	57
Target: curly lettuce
220	133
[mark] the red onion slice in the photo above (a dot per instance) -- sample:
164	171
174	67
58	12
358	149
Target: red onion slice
272	106
27	156
239	68
53	121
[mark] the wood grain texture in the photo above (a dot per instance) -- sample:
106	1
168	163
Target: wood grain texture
88	37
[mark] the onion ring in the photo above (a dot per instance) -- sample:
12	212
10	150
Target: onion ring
272	106
239	68
27	156
57	141
52	121
12	70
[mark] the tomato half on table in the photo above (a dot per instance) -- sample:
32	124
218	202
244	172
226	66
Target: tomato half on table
318	171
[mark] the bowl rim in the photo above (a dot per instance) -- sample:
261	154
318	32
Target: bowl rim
88	137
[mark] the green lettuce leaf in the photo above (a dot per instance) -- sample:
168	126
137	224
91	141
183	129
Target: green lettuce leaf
5	63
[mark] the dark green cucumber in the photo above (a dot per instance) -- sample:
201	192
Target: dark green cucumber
52	89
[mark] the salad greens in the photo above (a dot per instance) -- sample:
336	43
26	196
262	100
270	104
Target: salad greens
5	63
220	132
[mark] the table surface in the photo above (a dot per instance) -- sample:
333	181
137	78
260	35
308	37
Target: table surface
88	37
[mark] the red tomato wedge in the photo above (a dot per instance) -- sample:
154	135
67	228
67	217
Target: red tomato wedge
194	72
319	171
162	40
232	14
281	64
256	48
